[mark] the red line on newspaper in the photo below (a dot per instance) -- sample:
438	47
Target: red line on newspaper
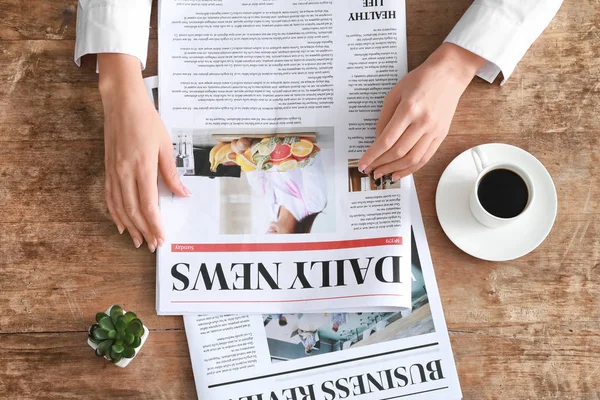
278	247
287	301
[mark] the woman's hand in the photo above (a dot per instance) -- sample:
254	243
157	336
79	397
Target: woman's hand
417	113
137	146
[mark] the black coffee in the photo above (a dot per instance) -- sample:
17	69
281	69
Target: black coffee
503	193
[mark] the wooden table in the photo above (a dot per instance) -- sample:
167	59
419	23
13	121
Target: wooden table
526	329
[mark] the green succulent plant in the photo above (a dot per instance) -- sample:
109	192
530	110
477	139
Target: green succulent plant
117	335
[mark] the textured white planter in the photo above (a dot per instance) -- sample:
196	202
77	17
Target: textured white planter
125	361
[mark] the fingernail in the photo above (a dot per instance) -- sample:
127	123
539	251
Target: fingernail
187	192
362	167
137	243
377	175
160	242
377	182
121	229
151	247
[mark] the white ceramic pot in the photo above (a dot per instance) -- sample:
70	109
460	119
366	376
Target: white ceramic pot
124	361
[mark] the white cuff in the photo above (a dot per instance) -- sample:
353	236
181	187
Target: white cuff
503	34
113	26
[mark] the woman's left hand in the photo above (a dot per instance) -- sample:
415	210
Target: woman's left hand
417	113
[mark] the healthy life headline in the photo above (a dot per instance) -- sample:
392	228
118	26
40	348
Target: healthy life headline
372	15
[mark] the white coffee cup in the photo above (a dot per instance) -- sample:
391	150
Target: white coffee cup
483	167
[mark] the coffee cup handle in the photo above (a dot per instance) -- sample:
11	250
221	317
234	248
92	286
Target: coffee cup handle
479	158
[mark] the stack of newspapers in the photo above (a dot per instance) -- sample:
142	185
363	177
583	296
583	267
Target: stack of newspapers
298	276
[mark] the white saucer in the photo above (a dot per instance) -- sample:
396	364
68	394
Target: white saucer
495	244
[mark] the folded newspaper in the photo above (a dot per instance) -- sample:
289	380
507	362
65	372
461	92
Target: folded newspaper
270	104
297	274
329	356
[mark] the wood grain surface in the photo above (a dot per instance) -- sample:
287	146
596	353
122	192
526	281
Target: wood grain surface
525	329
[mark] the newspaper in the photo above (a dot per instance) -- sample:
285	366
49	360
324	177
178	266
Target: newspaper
270	105
327	356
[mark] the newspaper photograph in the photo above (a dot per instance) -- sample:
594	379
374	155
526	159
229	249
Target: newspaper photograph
269	106
327	356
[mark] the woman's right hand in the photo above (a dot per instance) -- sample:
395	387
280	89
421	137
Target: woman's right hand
137	147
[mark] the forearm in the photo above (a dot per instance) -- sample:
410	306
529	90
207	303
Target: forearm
120	80
458	62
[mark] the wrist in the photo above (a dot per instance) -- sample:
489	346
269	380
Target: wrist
457	61
120	76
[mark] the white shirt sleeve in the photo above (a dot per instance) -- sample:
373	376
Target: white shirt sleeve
113	26
501	31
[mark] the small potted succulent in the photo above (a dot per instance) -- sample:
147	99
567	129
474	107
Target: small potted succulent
117	335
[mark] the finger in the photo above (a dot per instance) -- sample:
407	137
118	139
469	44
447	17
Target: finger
435	144
108	192
414	134
168	170
131	203
135	234
390	103
412	157
391	133
148	192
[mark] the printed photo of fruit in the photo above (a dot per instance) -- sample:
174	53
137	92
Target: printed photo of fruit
260	181
269	154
